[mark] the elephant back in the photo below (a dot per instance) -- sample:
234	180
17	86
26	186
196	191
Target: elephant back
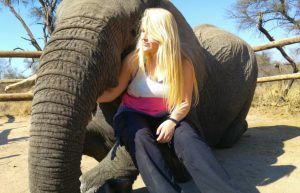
223	47
230	80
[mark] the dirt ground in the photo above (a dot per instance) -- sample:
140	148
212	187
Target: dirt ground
266	159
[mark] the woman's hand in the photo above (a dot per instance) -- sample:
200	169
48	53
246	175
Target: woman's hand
165	131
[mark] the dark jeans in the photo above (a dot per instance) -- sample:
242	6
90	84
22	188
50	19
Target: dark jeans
137	132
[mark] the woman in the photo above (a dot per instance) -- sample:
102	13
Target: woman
161	88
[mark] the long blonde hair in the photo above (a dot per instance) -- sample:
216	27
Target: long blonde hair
162	27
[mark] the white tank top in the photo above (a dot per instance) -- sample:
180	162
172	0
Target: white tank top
142	86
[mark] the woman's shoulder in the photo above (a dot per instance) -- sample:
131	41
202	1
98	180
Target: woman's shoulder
131	59
131	62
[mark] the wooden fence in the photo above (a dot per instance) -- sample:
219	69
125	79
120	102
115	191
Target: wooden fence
37	54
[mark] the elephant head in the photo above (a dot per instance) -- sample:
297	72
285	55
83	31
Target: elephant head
80	61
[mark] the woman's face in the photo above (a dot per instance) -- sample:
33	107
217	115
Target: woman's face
149	45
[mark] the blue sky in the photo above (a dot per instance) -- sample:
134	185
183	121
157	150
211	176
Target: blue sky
196	12
213	12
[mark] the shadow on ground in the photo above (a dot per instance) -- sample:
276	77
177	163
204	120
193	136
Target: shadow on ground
10	119
4	139
10	156
250	161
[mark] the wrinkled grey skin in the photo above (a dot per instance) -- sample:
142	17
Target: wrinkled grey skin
83	58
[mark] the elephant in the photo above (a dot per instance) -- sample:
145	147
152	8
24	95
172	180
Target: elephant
83	58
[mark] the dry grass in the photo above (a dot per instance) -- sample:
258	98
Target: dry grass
16	108
267	95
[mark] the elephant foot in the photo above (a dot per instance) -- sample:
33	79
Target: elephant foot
84	186
115	173
110	186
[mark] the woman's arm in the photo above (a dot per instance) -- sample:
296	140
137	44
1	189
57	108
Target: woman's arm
166	129
129	66
182	110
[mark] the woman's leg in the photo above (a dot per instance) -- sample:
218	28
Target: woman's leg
140	141
198	159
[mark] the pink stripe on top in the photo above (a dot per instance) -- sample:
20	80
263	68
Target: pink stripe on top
148	105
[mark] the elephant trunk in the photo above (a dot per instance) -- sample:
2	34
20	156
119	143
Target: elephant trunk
68	83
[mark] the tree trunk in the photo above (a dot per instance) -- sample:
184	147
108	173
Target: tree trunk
283	53
31	36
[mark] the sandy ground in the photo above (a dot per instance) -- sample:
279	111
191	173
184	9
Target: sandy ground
266	159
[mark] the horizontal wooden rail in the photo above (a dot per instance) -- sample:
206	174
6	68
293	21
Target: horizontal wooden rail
274	44
16	97
20	54
29	96
37	54
278	77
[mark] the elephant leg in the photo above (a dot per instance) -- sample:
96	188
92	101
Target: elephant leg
233	134
236	128
97	146
116	167
99	138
